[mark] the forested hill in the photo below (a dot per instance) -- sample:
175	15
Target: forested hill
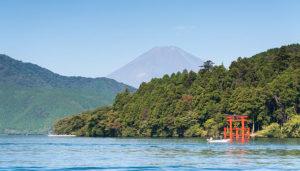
265	86
32	97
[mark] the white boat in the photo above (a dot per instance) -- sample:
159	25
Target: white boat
211	140
60	135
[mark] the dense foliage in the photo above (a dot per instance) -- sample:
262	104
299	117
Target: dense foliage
289	129
31	97
265	87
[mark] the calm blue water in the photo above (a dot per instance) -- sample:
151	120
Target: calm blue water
46	153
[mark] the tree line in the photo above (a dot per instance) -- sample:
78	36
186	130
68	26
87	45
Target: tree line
266	87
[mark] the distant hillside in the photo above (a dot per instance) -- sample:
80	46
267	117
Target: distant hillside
266	87
31	97
154	64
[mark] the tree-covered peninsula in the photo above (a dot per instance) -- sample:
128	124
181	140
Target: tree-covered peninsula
266	87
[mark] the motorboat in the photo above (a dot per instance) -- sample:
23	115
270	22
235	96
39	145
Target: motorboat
61	135
211	140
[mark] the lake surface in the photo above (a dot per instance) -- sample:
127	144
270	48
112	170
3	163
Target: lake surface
75	153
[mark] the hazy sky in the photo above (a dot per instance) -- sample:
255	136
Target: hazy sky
93	38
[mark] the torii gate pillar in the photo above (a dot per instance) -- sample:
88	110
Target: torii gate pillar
239	120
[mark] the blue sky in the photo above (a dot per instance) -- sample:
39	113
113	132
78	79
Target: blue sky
93	38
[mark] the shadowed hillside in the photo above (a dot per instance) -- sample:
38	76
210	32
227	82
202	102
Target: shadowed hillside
33	97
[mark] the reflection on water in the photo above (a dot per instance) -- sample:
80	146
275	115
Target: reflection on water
43	153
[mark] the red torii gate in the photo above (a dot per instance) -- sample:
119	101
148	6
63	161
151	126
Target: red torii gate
239	134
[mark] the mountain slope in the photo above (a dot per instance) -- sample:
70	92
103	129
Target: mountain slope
266	87
154	64
33	97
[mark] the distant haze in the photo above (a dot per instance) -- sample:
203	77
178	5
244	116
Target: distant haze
155	63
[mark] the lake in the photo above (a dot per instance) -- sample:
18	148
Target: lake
76	153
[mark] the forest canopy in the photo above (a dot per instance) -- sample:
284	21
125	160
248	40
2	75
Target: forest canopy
188	104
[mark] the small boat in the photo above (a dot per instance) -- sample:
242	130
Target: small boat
61	135
211	140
